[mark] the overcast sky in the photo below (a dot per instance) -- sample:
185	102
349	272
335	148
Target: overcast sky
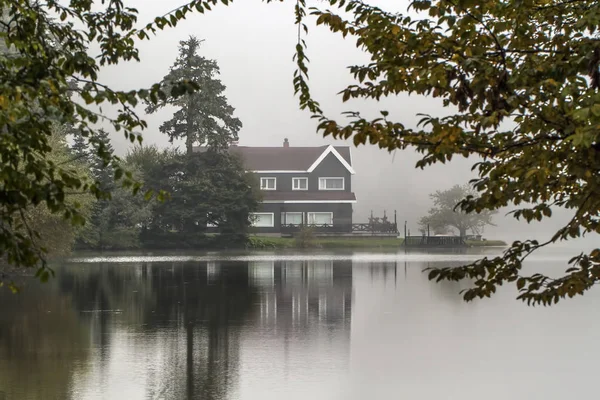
253	44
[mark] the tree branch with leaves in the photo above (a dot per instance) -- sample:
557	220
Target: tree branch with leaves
44	49
521	82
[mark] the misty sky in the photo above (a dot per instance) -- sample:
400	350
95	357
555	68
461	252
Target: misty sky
253	44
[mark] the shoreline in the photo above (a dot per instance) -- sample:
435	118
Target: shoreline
271	242
258	242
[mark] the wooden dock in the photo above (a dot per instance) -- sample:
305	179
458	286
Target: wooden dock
434	241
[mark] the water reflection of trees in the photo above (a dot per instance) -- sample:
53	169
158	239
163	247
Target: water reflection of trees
210	304
193	313
42	344
188	308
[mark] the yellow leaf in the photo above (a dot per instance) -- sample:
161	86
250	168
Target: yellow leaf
395	29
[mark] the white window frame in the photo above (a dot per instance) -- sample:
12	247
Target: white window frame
298	179
212	270
262	272
263	226
284	217
308	217
266	179
323	186
209	224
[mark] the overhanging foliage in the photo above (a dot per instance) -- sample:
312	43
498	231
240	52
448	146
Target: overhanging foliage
534	64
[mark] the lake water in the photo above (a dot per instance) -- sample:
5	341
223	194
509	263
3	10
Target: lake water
293	326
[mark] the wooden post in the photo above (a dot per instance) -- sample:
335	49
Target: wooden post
405	232
428	230
395	222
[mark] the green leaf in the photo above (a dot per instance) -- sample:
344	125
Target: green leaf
148	195
434	273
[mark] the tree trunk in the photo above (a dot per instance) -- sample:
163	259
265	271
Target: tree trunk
189	145
189	135
462	232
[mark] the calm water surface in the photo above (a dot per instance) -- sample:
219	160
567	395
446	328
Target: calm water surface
263	326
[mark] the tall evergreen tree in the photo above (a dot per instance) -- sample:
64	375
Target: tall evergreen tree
80	148
204	117
103	175
102	171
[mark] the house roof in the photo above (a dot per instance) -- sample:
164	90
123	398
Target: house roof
299	196
290	159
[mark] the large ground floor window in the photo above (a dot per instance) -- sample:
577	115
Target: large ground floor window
320	218
262	220
292	218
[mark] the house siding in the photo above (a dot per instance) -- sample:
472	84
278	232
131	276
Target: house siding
277	201
330	167
342	214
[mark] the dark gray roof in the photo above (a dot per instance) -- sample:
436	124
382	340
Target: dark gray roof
284	158
298	195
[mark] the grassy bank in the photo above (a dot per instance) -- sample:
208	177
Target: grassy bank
265	242
270	242
486	243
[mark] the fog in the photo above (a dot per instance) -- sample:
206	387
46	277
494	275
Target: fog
253	44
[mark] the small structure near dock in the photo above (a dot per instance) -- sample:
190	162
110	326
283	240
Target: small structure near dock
436	241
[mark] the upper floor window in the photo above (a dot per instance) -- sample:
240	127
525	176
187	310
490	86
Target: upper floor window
268	183
299	183
331	183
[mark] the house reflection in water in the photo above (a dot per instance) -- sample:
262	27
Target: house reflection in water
303	318
298	294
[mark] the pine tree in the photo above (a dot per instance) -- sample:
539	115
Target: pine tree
103	175
204	117
80	148
101	171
